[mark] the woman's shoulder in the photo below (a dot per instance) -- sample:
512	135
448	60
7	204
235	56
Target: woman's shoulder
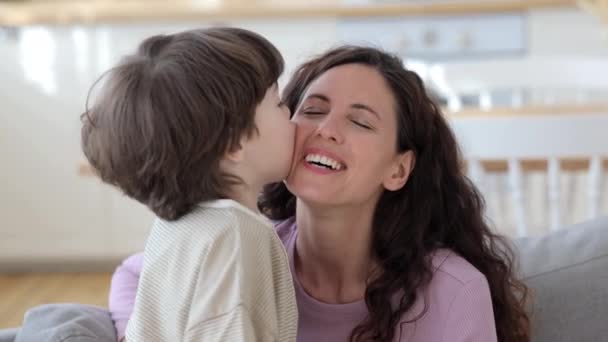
456	301
451	278
449	267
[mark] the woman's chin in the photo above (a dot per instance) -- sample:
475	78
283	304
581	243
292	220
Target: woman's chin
311	194
317	201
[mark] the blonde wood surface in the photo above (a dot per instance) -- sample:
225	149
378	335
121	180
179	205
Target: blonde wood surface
531	165
20	292
73	11
596	7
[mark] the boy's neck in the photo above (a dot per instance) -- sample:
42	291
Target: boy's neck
246	196
246	191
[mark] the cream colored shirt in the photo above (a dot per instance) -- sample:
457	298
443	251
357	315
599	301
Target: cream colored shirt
220	273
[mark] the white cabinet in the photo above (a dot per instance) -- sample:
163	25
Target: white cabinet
440	37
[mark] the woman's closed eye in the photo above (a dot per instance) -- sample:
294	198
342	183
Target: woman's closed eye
360	121
361	124
312	111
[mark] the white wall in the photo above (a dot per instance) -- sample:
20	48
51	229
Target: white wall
566	31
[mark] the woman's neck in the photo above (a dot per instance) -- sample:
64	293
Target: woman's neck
333	258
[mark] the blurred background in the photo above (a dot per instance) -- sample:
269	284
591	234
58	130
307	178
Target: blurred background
524	84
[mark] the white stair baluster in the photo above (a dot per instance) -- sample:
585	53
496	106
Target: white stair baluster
594	186
515	175
476	173
554	193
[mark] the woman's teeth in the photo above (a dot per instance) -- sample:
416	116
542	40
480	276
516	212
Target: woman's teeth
324	161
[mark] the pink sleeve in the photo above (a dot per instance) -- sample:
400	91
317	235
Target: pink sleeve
471	316
122	291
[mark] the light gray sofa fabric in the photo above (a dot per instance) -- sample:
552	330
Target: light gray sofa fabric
66	323
567	275
8	335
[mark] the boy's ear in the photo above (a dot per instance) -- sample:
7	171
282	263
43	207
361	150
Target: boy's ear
237	155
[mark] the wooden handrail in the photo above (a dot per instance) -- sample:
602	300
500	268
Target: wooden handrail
531	165
96	11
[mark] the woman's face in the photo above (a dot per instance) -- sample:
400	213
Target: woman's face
346	137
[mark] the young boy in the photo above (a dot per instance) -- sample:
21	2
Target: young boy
192	126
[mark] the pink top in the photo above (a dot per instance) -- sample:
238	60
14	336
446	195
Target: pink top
459	306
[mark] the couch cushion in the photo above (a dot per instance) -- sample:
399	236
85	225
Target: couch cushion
567	274
67	323
8	335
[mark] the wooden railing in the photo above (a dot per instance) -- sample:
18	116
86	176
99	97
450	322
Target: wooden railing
569	164
532	165
489	165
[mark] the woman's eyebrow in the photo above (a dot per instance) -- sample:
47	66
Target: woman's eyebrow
318	96
354	105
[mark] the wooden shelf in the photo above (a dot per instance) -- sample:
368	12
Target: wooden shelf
104	11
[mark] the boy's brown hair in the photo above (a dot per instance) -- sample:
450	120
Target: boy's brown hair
166	115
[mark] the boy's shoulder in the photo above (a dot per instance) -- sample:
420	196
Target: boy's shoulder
211	220
201	215
222	211
208	226
231	209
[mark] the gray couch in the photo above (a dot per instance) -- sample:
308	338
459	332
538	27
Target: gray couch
566	272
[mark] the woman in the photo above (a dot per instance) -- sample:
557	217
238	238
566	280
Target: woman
385	234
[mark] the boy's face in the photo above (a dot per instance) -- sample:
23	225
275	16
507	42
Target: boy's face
270	152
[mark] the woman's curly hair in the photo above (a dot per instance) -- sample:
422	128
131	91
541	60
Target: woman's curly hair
439	207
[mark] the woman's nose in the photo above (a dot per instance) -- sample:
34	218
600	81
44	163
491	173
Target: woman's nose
329	128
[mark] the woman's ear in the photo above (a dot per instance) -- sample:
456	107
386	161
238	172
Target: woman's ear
400	171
